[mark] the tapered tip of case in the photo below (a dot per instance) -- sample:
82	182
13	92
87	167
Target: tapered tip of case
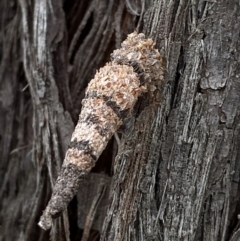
45	222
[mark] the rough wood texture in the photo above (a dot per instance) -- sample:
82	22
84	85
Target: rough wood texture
176	176
45	48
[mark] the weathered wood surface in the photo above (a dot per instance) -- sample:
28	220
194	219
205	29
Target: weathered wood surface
176	174
48	54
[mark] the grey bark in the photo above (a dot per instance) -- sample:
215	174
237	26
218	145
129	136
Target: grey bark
176	173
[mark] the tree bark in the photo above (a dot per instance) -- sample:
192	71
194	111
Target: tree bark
175	173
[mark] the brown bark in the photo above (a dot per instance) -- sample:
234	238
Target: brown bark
176	174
